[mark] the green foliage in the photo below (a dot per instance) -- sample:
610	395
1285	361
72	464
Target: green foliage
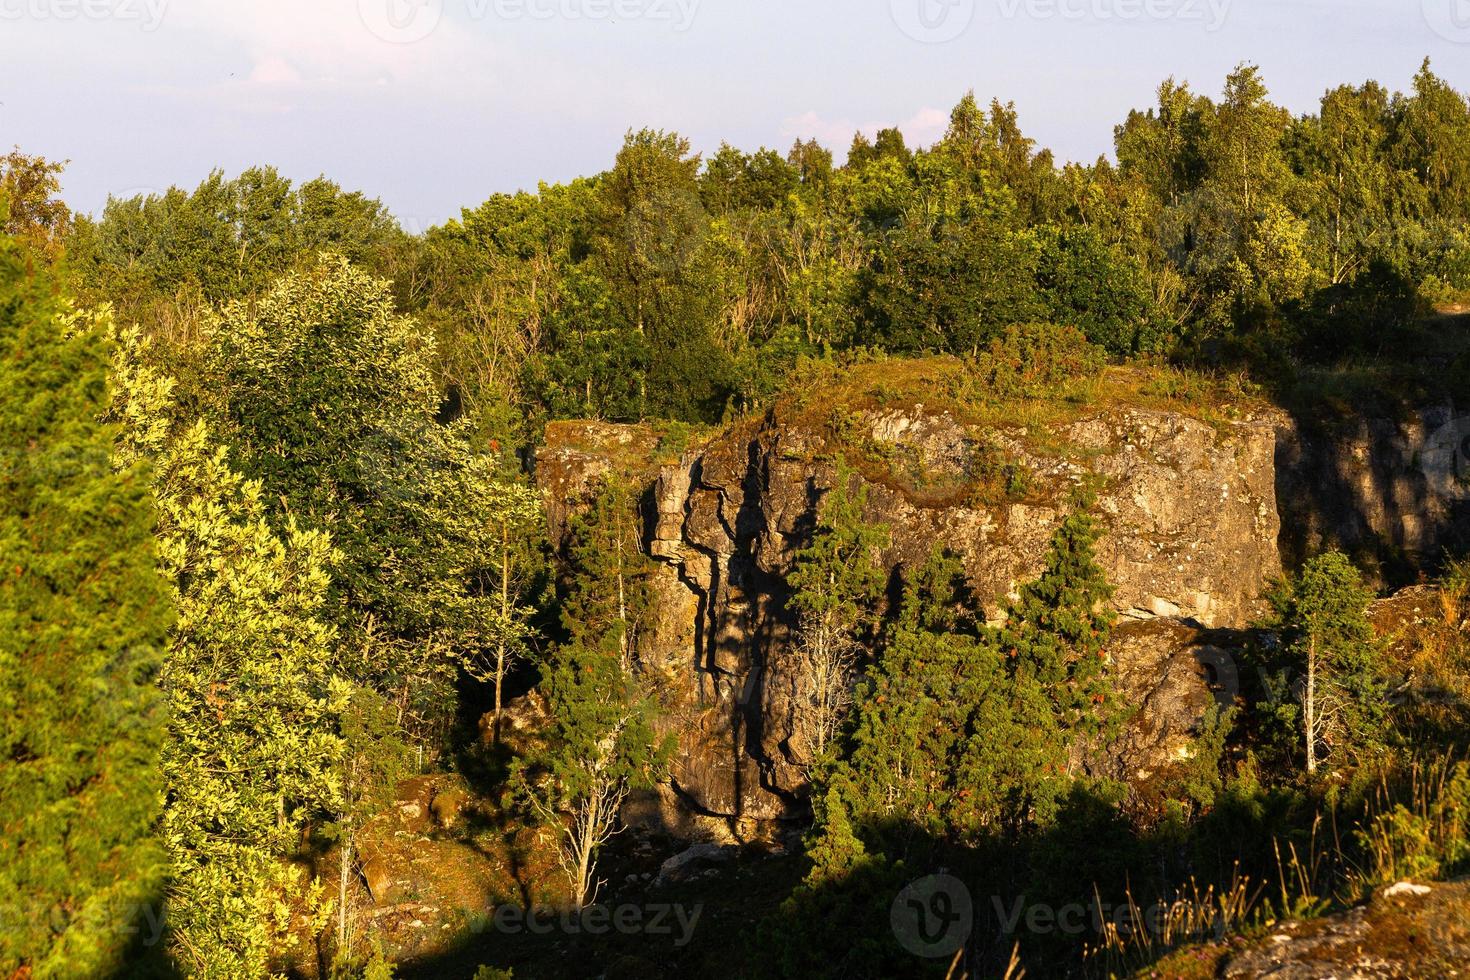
1336	663
837	576
963	732
1059	625
327	397
608	597
835	587
253	745
226	239
1034	360
603	741
1098	290
372	762
604	738
83	615
31	209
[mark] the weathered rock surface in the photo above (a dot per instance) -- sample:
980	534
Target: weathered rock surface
1188	509
1405	932
1169	673
1389	491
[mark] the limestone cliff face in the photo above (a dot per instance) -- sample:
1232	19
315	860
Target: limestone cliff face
1390	491
1188	509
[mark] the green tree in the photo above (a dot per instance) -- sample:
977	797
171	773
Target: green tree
254	749
608	598
1057	629
327	397
83	614
254	743
650	244
162	258
31	208
514	569
602	744
1322	613
835	585
374	759
604	739
1342	154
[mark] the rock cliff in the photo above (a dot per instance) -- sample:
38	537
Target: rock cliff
1391	491
1187	503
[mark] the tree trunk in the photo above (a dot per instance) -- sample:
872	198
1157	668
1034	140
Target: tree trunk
501	649
1309	706
344	872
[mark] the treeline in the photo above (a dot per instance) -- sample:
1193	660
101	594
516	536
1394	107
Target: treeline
1225	230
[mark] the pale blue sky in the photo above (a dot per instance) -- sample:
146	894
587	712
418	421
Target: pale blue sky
498	94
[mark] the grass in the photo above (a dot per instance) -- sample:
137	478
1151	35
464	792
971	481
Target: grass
836	405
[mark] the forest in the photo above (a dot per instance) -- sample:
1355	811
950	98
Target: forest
284	572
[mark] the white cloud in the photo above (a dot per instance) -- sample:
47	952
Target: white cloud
292	50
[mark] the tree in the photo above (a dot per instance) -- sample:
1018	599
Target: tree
1057	629
1322	613
603	741
607	598
947	739
83	615
836	581
30	208
374	759
1098	290
1342	153
652	229
326	396
602	745
229	238
517	514
254	742
254	747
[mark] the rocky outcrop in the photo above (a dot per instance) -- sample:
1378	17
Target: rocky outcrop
1390	491
1407	931
1188	509
1169	674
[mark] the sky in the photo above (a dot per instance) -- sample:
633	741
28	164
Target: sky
434	105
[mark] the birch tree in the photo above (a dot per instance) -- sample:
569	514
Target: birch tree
1322	614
